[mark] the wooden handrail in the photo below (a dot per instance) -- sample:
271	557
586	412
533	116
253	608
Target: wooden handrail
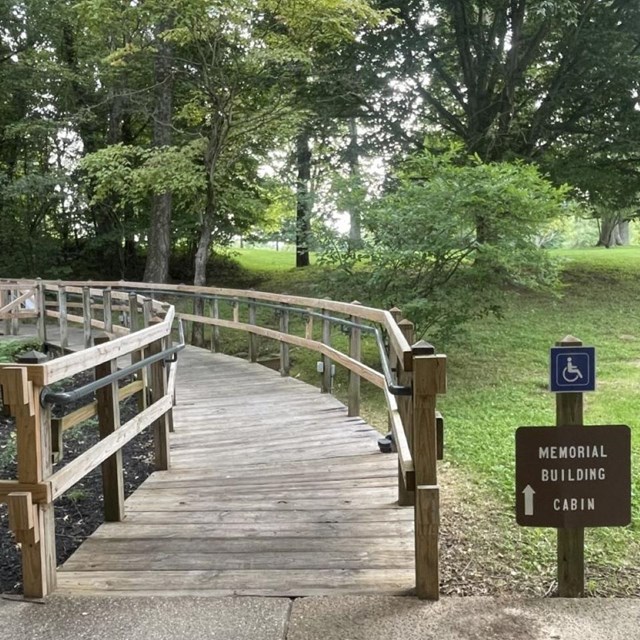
16	302
75	363
400	346
30	497
90	459
373	376
412	420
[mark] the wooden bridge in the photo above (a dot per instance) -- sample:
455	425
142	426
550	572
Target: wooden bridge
266	486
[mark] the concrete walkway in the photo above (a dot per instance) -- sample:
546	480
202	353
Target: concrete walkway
319	618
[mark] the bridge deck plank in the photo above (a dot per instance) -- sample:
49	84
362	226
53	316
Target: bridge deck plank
273	491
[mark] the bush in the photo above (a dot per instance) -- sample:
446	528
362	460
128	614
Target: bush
449	239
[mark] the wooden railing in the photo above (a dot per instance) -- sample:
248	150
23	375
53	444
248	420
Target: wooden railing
16	303
418	373
30	497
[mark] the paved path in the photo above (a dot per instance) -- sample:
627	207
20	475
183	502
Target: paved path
319	618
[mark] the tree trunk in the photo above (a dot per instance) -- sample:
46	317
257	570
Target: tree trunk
303	198
353	155
159	248
200	263
108	221
624	233
613	231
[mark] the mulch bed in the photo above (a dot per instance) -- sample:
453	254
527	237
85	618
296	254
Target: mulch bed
77	513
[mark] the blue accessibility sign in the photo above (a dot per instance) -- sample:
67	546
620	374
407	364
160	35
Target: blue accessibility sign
573	369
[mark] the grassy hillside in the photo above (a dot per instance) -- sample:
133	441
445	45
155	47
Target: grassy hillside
498	377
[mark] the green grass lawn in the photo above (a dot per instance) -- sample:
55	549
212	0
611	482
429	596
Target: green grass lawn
498	378
267	260
596	258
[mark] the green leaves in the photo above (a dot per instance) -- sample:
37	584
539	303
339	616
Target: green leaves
133	174
450	237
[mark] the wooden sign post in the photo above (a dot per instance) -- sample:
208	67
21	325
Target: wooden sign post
571	476
569	413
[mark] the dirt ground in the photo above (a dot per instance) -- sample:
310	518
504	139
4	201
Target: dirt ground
79	512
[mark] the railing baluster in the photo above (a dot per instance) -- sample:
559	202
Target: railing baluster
308	326
147	305
215	331
15	319
326	362
106	305
42	312
4	301
253	338
108	422
285	360
86	316
136	356
64	327
158	379
406	495
355	352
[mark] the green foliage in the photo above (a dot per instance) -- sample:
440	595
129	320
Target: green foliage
133	174
10	349
499	379
421	247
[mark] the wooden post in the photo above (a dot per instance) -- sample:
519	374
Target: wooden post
147	312
170	369
355	352
134	313
285	360
136	356
235	306
15	320
86	316
406	497
108	316
64	327
34	465
160	428
4	301
215	330
197	328
326	362
108	422
429	380
308	325
427	530
147	305
253	338
569	413
42	312
397	316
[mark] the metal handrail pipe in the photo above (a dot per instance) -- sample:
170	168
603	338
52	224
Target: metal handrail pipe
63	398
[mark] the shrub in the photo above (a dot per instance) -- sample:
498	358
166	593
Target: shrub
448	239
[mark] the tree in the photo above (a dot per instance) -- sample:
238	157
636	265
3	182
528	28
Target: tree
510	79
33	183
159	247
421	248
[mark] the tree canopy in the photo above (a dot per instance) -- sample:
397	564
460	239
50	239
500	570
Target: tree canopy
134	133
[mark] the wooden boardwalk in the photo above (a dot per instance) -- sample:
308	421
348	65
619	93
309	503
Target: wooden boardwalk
273	491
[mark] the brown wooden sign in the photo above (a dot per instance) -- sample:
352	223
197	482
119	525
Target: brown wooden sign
573	476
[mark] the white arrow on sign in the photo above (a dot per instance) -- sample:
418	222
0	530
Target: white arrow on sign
528	500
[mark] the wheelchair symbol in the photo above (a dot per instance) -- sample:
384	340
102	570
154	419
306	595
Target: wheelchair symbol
571	373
